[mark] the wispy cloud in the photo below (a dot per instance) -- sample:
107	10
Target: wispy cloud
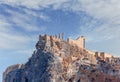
36	4
106	18
9	39
16	28
35	13
23	20
105	22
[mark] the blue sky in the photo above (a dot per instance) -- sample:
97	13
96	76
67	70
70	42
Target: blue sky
21	21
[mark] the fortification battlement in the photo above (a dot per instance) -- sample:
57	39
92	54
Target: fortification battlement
48	37
80	41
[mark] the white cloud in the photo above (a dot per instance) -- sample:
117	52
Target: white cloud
102	8
36	4
13	39
107	11
4	25
9	39
98	8
101	32
37	14
25	51
23	20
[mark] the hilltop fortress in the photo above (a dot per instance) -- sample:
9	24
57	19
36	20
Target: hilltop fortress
57	60
80	42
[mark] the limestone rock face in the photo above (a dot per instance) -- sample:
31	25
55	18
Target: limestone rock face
56	60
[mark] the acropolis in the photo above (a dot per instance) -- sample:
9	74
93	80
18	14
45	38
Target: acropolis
59	60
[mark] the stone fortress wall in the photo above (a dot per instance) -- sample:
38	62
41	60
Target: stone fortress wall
80	42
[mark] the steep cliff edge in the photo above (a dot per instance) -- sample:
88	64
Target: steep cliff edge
56	60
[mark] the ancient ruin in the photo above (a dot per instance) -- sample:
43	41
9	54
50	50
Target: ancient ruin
57	60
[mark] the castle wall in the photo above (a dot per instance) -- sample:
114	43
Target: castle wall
108	55
79	42
90	52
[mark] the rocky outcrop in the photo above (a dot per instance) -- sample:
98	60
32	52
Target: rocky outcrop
56	60
11	72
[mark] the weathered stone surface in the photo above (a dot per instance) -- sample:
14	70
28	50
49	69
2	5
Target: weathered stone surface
56	60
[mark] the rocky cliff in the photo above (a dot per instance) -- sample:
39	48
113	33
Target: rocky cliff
57	60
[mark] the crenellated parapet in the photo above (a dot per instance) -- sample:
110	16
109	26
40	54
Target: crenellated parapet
47	40
56	43
55	37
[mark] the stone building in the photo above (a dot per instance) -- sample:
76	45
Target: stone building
57	60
